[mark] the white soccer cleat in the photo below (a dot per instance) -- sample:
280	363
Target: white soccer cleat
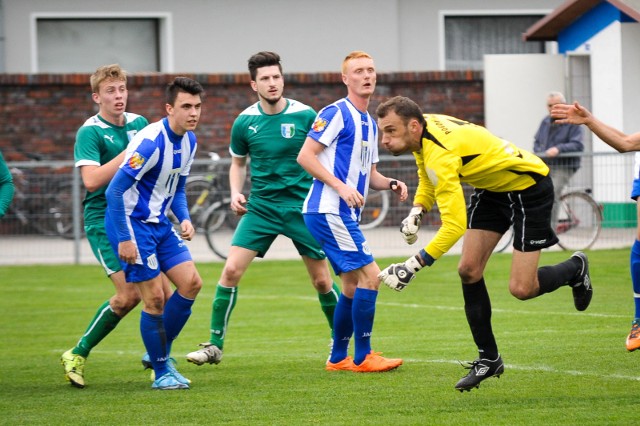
209	353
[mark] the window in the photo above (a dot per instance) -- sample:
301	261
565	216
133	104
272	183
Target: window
469	38
81	44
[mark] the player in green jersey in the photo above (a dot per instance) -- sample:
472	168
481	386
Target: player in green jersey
270	132
98	151
6	186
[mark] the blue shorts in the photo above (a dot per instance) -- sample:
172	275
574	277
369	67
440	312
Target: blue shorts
341	239
160	248
635	191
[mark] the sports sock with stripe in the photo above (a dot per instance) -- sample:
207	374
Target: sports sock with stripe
104	321
222	306
328	302
155	341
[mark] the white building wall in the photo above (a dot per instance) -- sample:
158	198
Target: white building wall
516	88
217	36
610	102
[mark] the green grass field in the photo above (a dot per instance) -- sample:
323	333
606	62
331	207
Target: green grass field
562	366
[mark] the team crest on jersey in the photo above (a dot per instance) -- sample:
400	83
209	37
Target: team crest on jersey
287	130
136	161
319	124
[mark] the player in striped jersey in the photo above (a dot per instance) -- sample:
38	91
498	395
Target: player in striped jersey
149	183
341	152
98	151
511	188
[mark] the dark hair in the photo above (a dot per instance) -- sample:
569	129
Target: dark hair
404	108
182	84
263	59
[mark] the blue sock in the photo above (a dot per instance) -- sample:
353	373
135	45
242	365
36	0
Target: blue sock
177	311
342	328
154	339
635	275
364	309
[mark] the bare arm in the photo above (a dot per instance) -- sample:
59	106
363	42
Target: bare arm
577	114
95	177
380	182
237	178
307	158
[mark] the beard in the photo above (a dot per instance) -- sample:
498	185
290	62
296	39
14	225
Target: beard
272	101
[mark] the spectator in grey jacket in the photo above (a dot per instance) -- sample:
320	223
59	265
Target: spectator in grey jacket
551	140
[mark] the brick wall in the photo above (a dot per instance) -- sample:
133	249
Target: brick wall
40	113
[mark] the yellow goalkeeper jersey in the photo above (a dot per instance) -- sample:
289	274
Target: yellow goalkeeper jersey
455	151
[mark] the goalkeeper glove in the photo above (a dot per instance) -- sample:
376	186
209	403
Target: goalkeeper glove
398	275
411	224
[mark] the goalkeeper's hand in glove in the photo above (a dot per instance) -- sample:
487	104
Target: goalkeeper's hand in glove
399	275
411	224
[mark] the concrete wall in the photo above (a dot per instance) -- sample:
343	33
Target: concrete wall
516	88
217	36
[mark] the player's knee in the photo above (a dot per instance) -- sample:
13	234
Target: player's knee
232	273
154	304
196	282
192	286
522	292
323	284
122	304
469	273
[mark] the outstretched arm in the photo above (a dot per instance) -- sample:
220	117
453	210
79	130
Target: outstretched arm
577	114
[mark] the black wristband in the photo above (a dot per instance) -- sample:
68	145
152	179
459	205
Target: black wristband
393	183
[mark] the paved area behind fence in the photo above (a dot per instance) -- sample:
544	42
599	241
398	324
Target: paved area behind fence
384	242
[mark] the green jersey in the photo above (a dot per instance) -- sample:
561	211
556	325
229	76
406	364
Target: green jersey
273	142
97	143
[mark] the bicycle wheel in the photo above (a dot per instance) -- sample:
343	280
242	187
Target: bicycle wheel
579	221
218	231
375	209
505	242
197	189
62	212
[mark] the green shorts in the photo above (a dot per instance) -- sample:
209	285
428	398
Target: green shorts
97	237
263	222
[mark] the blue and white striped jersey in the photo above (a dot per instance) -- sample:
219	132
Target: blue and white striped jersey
351	140
156	157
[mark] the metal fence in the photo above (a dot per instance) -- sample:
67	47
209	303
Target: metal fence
44	222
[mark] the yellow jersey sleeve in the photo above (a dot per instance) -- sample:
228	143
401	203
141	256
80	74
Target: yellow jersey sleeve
454	152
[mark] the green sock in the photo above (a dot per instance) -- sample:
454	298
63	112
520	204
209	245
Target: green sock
328	303
102	323
223	304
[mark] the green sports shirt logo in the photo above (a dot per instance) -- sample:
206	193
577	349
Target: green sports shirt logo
287	130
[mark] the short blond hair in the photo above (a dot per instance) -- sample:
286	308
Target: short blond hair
107	72
356	54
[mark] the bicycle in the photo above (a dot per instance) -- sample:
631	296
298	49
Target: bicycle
202	191
375	210
208	200
47	207
220	223
578	225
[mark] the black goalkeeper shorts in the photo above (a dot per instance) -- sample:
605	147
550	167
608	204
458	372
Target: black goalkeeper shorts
529	211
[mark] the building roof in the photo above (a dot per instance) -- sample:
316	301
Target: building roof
548	28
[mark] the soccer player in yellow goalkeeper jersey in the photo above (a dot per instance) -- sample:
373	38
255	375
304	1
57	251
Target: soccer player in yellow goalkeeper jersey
511	188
